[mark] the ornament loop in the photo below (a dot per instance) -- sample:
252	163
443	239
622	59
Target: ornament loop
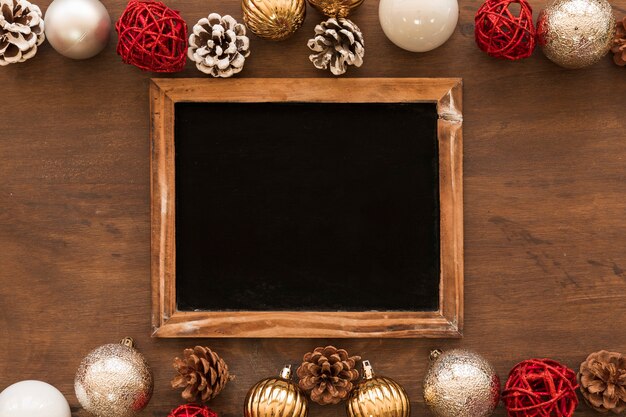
368	371
285	373
128	341
434	354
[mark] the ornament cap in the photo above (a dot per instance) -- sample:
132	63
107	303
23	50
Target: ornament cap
285	373
128	342
368	370
434	354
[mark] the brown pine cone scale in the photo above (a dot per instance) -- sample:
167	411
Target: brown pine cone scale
618	46
202	374
328	374
602	380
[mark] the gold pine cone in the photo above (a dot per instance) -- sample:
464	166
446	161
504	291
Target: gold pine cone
335	8
202	374
273	20
602	380
328	374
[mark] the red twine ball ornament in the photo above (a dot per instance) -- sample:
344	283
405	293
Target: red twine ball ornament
501	33
540	387
193	410
152	37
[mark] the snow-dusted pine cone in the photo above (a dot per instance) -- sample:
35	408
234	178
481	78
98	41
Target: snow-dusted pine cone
219	45
338	43
21	31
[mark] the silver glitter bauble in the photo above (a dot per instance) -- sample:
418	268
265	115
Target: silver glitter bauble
114	380
461	383
576	33
77	29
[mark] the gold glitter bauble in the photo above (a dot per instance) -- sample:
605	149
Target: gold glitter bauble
576	33
276	397
377	396
274	20
114	380
335	8
461	383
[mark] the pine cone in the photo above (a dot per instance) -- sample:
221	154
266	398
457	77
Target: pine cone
202	374
219	45
619	43
21	31
603	381
338	42
327	373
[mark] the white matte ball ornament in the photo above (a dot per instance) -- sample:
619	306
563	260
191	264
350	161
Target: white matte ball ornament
77	29
418	25
33	399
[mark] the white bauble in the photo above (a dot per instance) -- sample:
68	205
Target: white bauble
418	25
77	29
33	399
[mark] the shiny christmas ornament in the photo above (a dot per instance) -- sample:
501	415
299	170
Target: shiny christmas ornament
418	25
576	33
335	8
77	29
33	399
114	380
276	397
461	383
377	396
274	20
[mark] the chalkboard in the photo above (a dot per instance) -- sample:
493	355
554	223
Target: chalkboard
307	206
307	210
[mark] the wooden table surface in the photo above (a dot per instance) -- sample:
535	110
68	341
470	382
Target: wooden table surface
545	209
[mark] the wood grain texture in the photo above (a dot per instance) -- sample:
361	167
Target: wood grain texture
168	321
544	193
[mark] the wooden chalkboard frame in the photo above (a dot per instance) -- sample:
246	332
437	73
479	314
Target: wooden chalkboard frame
167	321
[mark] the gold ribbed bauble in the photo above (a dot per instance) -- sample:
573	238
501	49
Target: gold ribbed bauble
335	8
576	33
377	396
276	397
114	380
274	20
461	383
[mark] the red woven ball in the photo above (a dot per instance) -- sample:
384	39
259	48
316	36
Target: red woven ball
540	387
193	410
504	34
152	37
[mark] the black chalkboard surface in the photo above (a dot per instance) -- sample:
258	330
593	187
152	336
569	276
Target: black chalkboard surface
307	206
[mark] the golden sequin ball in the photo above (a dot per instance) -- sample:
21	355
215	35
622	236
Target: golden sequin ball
114	380
461	383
